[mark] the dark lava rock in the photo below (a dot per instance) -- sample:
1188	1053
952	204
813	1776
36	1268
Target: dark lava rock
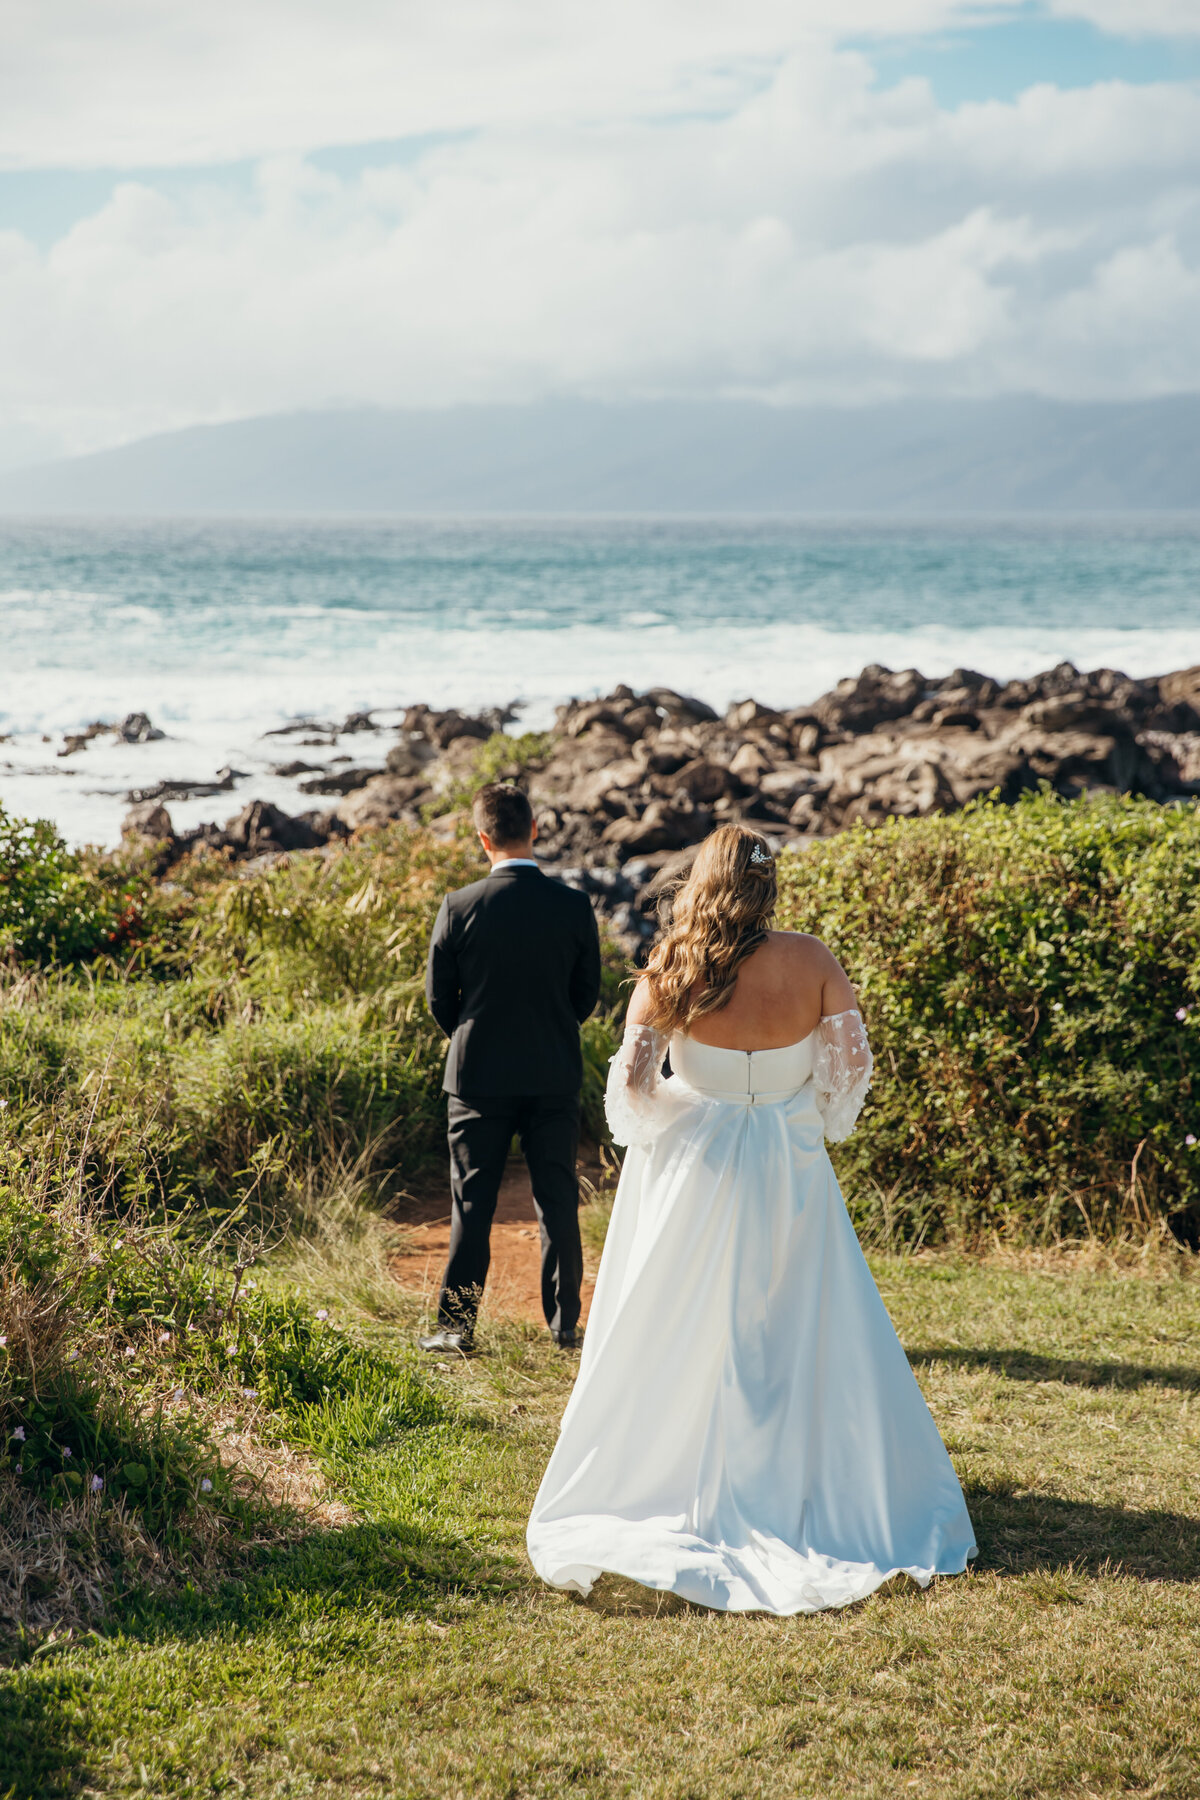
410	755
338	781
76	740
326	732
185	789
325	825
878	695
136	728
261	827
444	728
148	819
680	708
383	799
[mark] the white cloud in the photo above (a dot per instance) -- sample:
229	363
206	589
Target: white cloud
1138	316
817	238
1134	18
136	83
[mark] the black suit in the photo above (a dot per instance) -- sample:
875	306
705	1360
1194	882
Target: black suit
514	969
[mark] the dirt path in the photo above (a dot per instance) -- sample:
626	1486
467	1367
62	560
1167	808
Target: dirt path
514	1284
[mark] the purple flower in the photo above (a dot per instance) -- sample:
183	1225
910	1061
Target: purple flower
68	1453
20	1468
206	1486
97	1483
1190	1140
3	1339
250	1393
1181	1013
323	1312
19	1434
129	1350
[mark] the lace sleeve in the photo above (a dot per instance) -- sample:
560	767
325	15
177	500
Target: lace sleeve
634	1094
841	1072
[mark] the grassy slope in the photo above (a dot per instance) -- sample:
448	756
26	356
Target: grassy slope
413	1653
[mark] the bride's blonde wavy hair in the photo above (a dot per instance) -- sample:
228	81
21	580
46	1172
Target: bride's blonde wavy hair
718	916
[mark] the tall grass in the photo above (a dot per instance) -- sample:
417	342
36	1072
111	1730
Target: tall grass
1031	977
283	1029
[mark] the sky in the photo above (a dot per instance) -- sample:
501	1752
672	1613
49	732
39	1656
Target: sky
222	208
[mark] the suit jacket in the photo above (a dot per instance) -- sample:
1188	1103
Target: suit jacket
514	970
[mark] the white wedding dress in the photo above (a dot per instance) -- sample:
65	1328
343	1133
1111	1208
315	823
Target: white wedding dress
745	1430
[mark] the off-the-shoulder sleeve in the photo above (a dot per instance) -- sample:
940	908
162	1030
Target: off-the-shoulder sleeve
634	1100
841	1072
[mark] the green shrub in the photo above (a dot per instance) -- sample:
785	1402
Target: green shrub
59	905
600	1039
291	1018
1021	970
280	1040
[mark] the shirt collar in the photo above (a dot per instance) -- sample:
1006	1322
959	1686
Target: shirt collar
513	862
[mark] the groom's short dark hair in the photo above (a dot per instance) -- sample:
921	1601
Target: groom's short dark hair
503	814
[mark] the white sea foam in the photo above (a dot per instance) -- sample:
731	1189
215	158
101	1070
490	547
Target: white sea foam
217	712
222	630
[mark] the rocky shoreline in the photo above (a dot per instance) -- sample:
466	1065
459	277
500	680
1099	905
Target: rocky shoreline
623	786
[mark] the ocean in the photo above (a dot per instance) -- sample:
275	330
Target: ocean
222	630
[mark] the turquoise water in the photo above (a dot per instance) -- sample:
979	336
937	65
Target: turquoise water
222	629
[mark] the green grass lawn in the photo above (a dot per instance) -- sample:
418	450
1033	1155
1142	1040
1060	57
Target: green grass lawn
412	1652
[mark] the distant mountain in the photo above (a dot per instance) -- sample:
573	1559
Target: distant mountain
1011	455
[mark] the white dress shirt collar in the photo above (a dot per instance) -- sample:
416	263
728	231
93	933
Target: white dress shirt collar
513	862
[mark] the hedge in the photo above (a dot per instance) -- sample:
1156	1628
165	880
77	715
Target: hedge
1030	976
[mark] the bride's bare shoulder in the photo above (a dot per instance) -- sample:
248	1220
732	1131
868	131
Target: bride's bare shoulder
804	958
801	949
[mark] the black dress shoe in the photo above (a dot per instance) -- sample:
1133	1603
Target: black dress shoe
566	1340
446	1341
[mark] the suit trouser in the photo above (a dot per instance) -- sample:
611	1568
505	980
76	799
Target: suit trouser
481	1131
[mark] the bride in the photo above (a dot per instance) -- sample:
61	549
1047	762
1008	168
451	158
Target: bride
745	1430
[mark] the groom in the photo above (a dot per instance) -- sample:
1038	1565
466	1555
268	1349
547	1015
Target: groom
514	969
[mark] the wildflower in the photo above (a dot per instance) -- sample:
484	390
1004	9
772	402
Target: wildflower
177	1394
118	1243
164	1337
206	1486
1190	1140
129	1350
20	1468
250	1393
72	1356
3	1339
323	1312
1181	1013
97	1483
19	1434
68	1453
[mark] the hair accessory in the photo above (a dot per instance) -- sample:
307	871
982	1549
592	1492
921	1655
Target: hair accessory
759	855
